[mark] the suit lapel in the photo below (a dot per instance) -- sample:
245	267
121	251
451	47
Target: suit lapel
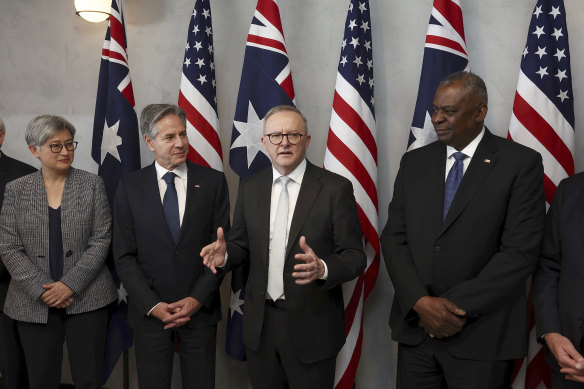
262	212
150	192
308	191
3	165
436	173
192	201
483	161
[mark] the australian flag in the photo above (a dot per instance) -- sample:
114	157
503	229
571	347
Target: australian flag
266	81
444	53
116	149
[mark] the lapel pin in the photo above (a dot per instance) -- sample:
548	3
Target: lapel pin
197	186
487	161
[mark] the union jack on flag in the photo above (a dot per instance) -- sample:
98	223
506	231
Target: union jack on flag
543	119
266	82
352	152
116	148
197	95
444	53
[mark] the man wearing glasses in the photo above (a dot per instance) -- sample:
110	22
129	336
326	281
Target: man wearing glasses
298	226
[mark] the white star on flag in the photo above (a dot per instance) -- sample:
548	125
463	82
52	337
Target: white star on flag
250	134
424	135
110	141
235	303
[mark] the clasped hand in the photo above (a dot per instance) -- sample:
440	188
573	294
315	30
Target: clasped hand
439	317
176	314
57	295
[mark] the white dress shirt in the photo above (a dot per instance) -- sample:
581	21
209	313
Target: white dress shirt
469	151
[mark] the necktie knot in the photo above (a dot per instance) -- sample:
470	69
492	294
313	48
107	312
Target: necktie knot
459	156
169	178
284	180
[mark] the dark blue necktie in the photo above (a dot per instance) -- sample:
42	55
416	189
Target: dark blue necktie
170	205
453	180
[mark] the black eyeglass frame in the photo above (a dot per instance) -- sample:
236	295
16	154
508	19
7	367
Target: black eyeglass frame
281	136
57	147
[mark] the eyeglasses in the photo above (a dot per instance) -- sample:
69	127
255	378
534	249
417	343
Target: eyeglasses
293	138
57	147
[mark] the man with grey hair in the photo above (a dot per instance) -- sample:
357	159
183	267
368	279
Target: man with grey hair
463	234
12	364
298	227
163	215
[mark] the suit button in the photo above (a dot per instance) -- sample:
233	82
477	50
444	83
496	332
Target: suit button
436	249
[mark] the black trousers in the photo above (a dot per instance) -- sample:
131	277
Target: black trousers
155	354
85	334
276	365
12	362
430	366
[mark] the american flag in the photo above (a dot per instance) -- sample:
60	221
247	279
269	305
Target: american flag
543	119
266	81
197	96
116	148
444	53
352	152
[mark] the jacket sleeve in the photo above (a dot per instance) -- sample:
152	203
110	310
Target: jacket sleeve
396	252
22	270
126	253
207	285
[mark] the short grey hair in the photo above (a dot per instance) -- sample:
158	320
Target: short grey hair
470	83
285	108
152	113
43	127
2	126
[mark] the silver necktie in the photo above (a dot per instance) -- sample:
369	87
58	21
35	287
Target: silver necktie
278	244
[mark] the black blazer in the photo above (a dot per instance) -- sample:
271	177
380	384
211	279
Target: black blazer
150	265
326	214
10	169
559	279
479	257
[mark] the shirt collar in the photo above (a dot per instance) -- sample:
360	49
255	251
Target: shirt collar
295	175
470	149
181	170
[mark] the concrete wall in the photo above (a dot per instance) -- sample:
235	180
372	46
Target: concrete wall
49	63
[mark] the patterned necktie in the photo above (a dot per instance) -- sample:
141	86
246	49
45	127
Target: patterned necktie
453	181
278	246
170	206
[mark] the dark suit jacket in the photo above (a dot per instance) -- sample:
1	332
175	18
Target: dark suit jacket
10	169
326	214
559	279
151	266
479	257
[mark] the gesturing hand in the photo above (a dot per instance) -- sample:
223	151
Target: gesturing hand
183	310
312	270
57	295
214	254
439	317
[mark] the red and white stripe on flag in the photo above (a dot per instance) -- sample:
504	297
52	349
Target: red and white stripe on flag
543	119
197	95
352	152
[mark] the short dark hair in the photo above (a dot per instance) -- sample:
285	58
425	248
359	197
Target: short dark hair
470	83
152	113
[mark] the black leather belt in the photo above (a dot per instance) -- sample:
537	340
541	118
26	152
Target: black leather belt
280	303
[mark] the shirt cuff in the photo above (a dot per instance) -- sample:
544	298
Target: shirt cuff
325	276
224	262
151	309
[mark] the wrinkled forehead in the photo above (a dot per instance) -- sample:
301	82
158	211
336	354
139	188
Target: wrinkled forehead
285	121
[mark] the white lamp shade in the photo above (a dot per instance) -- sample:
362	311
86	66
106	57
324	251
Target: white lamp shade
93	10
